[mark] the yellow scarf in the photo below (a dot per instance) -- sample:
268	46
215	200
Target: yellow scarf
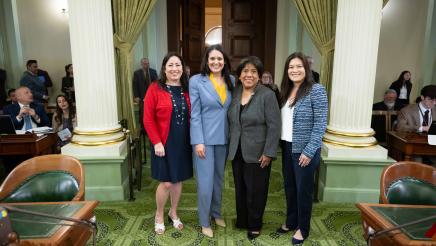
220	89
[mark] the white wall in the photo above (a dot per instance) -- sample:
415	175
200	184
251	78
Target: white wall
401	41
45	37
291	36
153	42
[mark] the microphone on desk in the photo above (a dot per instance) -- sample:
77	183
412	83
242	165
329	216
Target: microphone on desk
375	234
87	223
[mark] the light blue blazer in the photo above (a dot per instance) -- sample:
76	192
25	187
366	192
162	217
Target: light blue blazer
208	116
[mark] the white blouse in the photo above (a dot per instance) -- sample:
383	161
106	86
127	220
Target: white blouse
287	122
403	92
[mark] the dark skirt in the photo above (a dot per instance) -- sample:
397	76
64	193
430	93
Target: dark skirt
176	165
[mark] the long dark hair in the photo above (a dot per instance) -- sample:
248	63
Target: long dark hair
204	67
67	74
59	112
401	79
287	84
163	77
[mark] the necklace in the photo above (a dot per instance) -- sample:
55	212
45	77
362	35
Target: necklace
179	109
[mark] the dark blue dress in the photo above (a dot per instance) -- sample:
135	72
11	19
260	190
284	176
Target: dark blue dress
176	165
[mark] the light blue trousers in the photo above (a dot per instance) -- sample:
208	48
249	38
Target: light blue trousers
209	174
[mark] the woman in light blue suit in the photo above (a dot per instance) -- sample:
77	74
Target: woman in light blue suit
210	96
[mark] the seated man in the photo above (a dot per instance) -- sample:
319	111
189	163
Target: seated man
26	114
12	98
418	117
389	102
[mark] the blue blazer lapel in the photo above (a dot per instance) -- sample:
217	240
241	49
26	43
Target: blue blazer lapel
209	87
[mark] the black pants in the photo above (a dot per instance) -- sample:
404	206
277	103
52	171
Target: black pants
298	182
251	190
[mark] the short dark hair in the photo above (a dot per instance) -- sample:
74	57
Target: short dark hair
10	91
254	60
429	91
30	62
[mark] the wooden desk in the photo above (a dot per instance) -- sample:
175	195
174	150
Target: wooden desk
27	144
371	218
403	145
58	234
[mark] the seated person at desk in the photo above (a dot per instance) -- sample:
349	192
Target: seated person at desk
389	102
26	114
12	97
418	117
63	118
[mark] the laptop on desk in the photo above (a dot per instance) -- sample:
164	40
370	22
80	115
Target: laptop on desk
6	125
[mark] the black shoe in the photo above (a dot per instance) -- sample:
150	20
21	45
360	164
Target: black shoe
252	235
297	241
280	230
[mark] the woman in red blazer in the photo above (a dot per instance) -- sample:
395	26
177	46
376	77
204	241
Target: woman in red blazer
166	120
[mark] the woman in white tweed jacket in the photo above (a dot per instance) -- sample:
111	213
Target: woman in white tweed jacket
304	109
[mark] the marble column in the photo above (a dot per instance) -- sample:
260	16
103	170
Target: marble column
349	132
98	132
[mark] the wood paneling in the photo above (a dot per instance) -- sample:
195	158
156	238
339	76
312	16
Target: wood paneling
249	29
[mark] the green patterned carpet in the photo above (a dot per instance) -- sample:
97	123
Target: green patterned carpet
132	223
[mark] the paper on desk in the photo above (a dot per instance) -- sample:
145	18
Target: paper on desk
64	134
43	129
20	132
432	134
431	139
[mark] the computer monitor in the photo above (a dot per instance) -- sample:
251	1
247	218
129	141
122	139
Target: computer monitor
6	125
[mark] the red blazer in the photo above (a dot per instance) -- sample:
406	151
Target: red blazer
157	113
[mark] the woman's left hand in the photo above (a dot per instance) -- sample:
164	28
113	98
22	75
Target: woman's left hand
303	160
264	161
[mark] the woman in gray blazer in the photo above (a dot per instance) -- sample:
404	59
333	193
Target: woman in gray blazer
254	123
304	120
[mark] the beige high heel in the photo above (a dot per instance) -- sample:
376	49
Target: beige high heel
220	222
207	231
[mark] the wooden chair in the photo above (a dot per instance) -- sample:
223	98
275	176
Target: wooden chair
408	182
46	178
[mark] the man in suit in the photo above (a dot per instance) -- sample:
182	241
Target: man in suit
389	102
142	78
35	83
26	114
12	97
418	117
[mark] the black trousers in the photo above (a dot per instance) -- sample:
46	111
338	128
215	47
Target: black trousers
298	182
251	190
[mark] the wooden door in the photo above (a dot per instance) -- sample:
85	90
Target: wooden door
185	25
249	28
193	33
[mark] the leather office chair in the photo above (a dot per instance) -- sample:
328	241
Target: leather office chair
408	182
48	178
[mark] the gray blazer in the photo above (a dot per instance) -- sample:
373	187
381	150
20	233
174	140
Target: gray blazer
257	127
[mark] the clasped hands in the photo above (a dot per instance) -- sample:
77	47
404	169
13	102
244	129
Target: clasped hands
26	110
